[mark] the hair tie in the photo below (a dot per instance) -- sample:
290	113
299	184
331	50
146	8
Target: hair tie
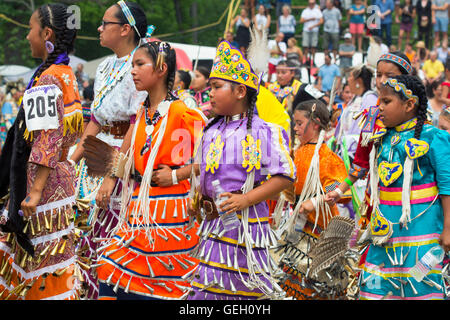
161	55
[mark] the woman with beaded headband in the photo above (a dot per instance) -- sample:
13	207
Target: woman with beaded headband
148	253
38	259
410	194
389	65
113	111
240	150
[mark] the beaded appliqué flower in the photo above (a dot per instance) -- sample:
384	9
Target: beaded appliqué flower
214	155
251	153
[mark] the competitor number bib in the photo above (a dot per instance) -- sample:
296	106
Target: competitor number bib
39	104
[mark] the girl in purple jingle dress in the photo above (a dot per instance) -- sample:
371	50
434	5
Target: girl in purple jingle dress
241	151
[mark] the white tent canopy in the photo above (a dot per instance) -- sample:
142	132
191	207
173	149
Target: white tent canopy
15	72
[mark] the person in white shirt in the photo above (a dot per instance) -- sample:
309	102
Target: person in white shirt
286	23
262	19
277	49
311	18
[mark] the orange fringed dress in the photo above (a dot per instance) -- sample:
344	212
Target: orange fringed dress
332	173
154	269
52	273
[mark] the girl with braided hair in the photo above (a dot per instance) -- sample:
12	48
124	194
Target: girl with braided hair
410	194
39	260
148	252
113	112
240	150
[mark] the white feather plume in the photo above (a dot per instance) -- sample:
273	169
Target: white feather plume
258	51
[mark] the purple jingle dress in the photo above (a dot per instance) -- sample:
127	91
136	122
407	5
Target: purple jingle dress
223	271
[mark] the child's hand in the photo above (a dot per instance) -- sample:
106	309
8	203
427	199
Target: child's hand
235	202
306	207
332	197
444	239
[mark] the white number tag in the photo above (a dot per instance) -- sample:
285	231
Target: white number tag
39	104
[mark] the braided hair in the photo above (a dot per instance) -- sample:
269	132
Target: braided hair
414	84
152	48
55	17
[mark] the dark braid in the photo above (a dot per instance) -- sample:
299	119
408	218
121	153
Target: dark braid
55	16
252	96
414	84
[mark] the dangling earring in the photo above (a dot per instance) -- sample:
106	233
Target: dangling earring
49	46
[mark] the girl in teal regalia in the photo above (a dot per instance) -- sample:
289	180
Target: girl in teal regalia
410	194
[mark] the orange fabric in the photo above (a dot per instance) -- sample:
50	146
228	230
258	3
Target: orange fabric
170	215
66	77
332	170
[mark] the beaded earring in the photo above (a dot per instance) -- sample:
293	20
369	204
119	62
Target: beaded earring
49	46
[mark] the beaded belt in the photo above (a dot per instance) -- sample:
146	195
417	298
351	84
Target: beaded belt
118	129
419	194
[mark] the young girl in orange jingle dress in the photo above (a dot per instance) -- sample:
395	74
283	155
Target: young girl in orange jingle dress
39	260
148	254
318	170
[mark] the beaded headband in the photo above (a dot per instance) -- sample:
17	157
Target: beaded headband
126	11
397	60
400	87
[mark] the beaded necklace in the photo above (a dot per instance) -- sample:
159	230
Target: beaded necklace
110	81
150	126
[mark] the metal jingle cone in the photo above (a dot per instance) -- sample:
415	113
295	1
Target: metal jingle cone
25	229
61	272
127	289
82	204
58	226
42	286
46	223
149	288
63	247
38	223
66	219
23	261
55	249
4	267
45	250
116	287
